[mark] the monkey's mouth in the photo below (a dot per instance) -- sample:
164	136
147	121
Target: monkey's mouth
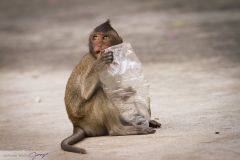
98	52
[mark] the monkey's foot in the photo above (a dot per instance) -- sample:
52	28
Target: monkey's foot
154	124
150	131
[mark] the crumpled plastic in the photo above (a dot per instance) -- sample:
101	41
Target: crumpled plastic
125	85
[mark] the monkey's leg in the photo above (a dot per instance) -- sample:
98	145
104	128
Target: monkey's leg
131	130
66	145
154	124
114	126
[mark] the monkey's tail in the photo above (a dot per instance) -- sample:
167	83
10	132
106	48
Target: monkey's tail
67	143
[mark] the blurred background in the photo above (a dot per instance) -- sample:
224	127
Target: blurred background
190	50
37	34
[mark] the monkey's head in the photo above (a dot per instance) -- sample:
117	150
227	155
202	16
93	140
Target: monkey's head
102	37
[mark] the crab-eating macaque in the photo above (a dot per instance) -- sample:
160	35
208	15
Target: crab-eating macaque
88	108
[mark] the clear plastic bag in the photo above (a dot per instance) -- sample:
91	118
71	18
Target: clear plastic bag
125	85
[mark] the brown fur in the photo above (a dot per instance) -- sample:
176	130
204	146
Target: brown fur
88	108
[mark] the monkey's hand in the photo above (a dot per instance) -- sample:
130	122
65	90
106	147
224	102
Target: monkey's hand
103	59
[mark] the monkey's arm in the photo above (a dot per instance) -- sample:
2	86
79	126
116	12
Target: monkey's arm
89	82
90	78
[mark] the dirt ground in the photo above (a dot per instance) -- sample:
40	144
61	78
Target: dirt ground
191	56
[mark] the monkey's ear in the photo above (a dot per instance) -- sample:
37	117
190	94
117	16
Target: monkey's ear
104	27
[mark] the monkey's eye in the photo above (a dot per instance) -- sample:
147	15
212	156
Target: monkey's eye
95	38
105	37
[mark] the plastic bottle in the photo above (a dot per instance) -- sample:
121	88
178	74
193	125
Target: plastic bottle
124	83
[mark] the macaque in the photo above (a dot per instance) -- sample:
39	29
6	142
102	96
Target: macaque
88	108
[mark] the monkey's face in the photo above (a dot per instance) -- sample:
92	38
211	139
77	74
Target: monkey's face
100	41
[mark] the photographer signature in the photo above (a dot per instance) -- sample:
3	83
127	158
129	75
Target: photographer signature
34	155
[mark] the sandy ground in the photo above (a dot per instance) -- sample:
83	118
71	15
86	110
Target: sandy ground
191	56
